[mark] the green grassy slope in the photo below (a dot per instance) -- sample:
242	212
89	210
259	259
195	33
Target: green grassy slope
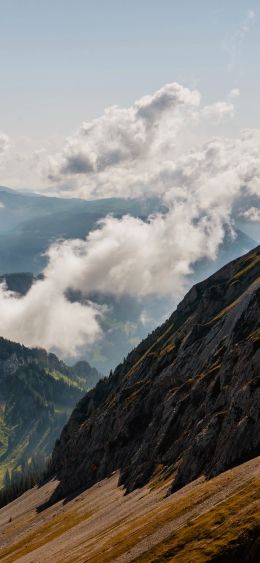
37	394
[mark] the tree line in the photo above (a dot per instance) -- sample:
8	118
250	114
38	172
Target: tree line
19	480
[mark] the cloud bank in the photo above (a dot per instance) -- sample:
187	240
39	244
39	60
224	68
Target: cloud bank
46	318
251	214
4	144
138	151
105	152
117	153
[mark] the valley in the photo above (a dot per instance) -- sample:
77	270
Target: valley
129	282
37	395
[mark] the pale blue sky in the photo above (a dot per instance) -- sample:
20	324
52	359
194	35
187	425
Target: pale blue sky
63	61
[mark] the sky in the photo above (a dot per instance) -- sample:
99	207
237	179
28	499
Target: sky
128	99
63	62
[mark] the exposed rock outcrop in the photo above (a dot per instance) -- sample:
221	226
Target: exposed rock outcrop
186	399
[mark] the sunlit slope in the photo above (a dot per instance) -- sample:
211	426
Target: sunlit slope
215	520
37	394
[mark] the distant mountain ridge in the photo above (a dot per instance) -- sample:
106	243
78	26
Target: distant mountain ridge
29	223
186	400
122	326
37	394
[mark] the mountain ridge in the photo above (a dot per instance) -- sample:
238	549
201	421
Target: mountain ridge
37	394
30	223
185	399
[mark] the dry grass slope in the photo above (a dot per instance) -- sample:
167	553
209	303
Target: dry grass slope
197	523
214	533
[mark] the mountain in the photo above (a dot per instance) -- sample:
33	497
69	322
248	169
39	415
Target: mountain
29	223
184	403
176	427
37	394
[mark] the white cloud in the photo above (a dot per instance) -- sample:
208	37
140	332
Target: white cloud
137	151
4	144
116	154
45	317
134	257
218	111
232	45
234	93
122	137
251	214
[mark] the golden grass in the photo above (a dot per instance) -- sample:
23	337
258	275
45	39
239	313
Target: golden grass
212	369
17	525
250	262
133	530
162	477
167	349
151	349
224	311
254	336
52	529
195	522
209	535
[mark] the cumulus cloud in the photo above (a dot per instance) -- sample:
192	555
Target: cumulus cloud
116	154
140	258
218	111
137	151
251	214
123	137
46	318
234	93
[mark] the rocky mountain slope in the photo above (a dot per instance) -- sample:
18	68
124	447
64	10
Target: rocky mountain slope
186	400
37	394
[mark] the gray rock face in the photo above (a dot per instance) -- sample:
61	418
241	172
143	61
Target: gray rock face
186	399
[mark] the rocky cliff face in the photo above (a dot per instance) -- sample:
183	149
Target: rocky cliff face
186	400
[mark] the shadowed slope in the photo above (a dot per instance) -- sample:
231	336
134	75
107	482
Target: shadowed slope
186	399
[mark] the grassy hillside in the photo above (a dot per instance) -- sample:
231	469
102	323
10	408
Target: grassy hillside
37	394
215	520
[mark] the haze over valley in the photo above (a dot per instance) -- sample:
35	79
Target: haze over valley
129	281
